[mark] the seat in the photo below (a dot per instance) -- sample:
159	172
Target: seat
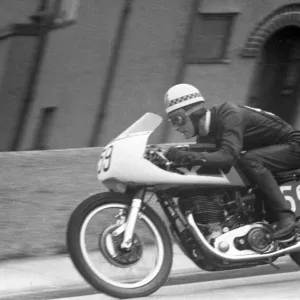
286	176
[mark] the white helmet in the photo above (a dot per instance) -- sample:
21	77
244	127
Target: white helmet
181	95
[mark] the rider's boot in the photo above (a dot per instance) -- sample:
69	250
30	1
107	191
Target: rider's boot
284	215
275	199
286	224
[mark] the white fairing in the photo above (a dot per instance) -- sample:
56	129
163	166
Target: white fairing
123	160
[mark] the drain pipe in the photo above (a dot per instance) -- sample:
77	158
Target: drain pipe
44	22
110	75
181	67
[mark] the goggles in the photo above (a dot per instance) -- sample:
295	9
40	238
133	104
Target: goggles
178	121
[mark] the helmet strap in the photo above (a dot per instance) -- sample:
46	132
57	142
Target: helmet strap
207	121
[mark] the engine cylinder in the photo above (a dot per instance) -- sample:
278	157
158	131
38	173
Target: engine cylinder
204	209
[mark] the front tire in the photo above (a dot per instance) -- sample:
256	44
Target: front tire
74	243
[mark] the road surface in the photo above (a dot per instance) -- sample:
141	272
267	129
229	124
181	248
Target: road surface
273	287
257	283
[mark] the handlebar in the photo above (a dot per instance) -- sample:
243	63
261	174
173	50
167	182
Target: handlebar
156	155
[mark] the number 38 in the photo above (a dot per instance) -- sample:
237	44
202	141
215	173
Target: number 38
105	160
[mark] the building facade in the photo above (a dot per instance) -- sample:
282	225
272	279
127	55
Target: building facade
76	73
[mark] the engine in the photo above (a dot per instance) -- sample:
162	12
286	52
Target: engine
215	212
221	215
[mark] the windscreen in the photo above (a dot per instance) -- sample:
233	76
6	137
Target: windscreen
147	123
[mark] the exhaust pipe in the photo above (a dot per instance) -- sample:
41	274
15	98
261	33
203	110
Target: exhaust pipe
205	245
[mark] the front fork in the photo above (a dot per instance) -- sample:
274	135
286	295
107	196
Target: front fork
129	226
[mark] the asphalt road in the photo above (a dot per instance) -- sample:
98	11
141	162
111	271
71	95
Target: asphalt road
256	283
263	287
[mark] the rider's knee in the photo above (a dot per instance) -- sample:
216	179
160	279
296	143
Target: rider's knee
251	162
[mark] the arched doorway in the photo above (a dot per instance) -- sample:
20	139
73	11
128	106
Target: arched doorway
277	83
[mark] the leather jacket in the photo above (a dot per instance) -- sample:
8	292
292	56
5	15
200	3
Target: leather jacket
235	128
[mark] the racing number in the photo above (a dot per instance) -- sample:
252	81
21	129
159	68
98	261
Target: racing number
290	199
105	160
298	192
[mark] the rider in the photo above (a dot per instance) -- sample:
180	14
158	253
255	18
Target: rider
260	141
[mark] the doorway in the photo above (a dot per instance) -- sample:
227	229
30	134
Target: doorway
277	84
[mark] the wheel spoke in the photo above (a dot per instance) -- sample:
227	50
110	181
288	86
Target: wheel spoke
122	266
97	255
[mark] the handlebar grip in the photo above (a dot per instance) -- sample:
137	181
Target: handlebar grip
174	165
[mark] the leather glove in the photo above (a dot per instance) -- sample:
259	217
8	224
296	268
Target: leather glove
182	157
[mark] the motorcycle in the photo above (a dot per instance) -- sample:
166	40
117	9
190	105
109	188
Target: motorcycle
217	217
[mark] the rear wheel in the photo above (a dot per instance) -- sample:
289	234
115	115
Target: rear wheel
106	266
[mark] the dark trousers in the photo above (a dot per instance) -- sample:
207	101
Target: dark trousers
259	164
276	158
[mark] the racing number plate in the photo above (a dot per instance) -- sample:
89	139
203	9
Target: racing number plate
291	192
105	159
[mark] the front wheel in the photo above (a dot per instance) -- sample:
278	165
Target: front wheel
97	255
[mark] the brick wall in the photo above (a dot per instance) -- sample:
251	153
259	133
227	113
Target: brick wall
76	65
16	54
72	75
230	81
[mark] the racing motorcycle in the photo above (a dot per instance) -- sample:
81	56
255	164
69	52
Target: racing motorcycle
217	217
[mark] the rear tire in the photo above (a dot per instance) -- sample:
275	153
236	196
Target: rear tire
74	247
